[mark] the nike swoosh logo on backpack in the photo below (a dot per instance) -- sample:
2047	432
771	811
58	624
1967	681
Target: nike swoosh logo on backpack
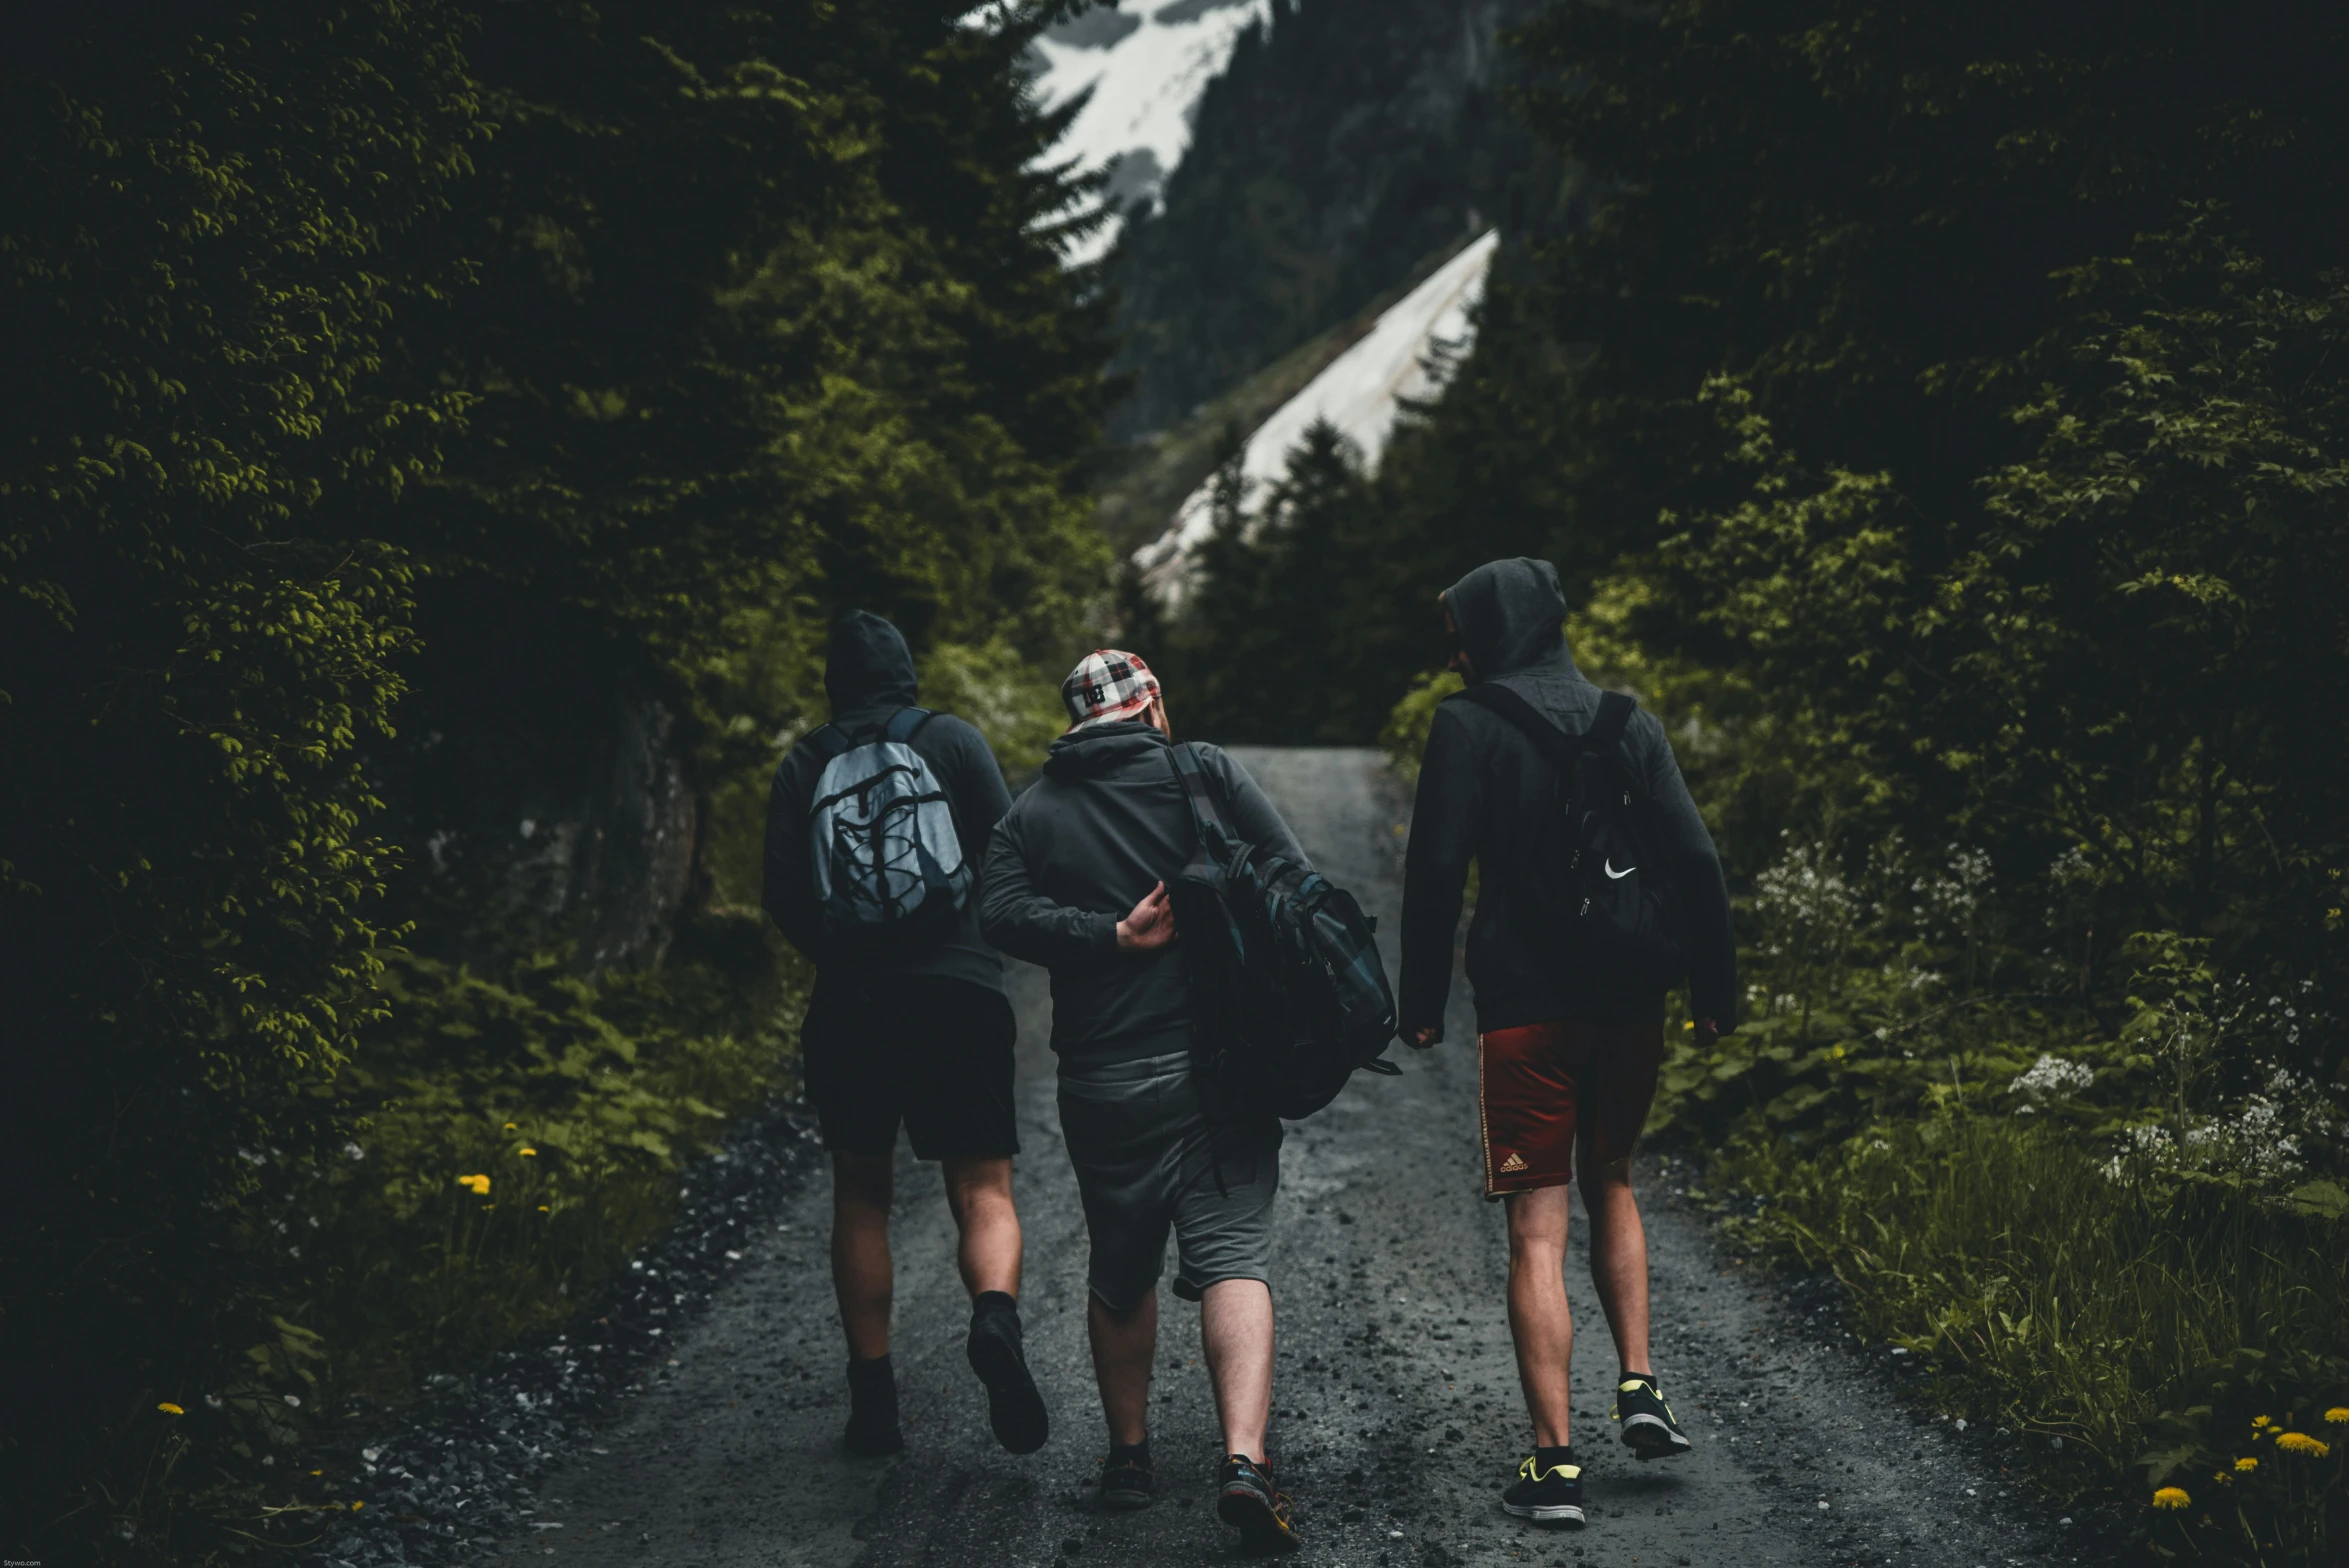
1614	875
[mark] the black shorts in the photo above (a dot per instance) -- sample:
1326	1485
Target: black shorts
930	1052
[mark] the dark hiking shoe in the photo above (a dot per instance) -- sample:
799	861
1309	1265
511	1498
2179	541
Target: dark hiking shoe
1546	1494
1127	1480
1648	1428
872	1409
1248	1503
1014	1408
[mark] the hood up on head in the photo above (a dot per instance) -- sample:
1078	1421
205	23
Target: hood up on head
1510	614
869	665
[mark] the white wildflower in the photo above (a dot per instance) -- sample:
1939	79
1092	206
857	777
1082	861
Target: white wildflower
2051	1078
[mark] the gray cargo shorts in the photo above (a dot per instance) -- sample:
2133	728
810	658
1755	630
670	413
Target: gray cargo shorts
1147	1158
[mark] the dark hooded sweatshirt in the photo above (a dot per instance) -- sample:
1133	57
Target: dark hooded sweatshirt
869	676
1481	775
1077	852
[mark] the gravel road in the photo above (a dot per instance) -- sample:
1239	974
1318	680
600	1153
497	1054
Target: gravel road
1397	1417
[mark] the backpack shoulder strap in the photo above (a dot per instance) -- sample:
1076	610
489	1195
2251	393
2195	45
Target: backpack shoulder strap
827	741
1606	731
1563	750
906	723
1552	742
1198	790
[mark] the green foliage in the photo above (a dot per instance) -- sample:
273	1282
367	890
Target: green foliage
1404	737
403	390
611	1084
198	634
2131	1328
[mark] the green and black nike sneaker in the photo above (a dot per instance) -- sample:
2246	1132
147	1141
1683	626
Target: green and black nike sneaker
1648	1428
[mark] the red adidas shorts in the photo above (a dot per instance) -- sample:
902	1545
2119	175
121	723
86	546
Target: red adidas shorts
1539	1087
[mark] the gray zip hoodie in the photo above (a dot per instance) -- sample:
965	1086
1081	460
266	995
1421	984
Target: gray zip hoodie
1479	778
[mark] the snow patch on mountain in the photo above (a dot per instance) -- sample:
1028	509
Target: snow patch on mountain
1405	356
1145	62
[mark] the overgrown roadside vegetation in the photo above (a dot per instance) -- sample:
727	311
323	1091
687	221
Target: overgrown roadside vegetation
438	433
1937	416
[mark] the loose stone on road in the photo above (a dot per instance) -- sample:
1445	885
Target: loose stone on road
1396	1413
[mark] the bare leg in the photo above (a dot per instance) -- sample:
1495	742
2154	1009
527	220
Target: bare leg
979	1193
1618	1257
1539	1319
861	1277
1235	1323
1124	1344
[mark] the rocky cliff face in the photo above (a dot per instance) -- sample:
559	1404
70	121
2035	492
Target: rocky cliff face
542	792
1345	142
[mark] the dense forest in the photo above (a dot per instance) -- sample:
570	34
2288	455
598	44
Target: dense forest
437	433
1940	415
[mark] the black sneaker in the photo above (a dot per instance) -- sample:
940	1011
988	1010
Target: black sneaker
1014	1408
1248	1503
1648	1428
1127	1480
1551	1496
872	1410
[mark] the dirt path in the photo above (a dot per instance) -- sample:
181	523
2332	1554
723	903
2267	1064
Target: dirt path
1397	1415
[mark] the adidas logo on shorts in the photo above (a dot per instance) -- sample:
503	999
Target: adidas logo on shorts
1515	1162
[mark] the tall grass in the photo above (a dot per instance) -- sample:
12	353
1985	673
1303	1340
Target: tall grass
2138	1327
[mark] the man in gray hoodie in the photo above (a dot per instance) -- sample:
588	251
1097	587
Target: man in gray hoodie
918	1031
1568	1048
1076	881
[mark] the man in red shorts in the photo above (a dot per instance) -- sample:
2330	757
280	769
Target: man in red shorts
1567	1044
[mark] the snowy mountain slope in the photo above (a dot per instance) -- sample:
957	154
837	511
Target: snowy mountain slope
1145	62
1403	357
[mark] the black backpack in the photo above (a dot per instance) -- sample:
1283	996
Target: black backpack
1598	863
1288	995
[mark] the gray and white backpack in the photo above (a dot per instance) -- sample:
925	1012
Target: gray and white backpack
888	863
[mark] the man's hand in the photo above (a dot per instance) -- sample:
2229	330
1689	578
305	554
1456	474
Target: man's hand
1150	926
1420	1040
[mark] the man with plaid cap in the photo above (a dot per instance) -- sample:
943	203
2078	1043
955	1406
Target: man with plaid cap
1075	880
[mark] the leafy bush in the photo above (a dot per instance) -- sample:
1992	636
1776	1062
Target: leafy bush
380	370
512	1141
2127	1321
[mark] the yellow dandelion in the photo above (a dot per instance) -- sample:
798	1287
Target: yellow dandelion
2246	1466
2222	1478
356	1506
2258	1422
170	1409
2302	1443
513	1127
543	1209
527	1153
2338	1415
2171	1497
479	1185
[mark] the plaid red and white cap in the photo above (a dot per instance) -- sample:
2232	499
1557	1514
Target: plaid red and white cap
1107	685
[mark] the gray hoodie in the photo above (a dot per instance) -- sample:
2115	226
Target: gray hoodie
1479	778
869	675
